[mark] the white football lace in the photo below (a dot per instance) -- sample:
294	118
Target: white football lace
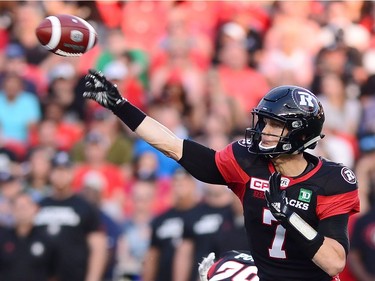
67	54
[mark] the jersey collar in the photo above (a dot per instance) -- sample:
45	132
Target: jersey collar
294	180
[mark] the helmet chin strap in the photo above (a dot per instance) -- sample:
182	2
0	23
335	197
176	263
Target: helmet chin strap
306	145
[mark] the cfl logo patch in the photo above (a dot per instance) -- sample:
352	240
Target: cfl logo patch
284	182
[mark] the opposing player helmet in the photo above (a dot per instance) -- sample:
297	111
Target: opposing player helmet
301	113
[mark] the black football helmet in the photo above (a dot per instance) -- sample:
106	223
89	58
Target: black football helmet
301	113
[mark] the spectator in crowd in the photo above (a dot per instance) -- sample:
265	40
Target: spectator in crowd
200	19
344	61
223	107
178	62
182	26
144	23
119	72
241	83
343	28
36	178
46	135
289	62
366	179
340	106
9	160
167	228
95	151
213	216
366	141
93	184
73	225
120	151
13	102
116	49
65	133
27	17
115	46
15	63
26	253
302	15
136	229
340	109
240	30
10	186
62	90
146	168
5	27
366	128
362	250
174	94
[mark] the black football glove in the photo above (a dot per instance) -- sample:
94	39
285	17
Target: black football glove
276	199
99	89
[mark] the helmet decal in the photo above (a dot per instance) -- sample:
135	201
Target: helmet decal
305	101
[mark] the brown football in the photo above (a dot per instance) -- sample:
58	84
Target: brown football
66	35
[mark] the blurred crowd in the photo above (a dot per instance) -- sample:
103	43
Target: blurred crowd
198	67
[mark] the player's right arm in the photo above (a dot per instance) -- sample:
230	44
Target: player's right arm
197	159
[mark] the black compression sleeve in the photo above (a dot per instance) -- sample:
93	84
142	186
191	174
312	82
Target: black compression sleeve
336	227
199	161
131	115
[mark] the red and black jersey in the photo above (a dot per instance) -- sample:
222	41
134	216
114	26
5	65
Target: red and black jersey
234	265
327	190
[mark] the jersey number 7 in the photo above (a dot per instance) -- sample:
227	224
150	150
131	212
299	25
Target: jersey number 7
276	250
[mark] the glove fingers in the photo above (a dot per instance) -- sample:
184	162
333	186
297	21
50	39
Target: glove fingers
90	79
93	72
275	181
89	95
90	86
283	195
98	75
268	196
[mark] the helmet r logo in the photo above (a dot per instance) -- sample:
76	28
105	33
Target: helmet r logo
305	101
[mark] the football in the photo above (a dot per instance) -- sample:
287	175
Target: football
66	35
